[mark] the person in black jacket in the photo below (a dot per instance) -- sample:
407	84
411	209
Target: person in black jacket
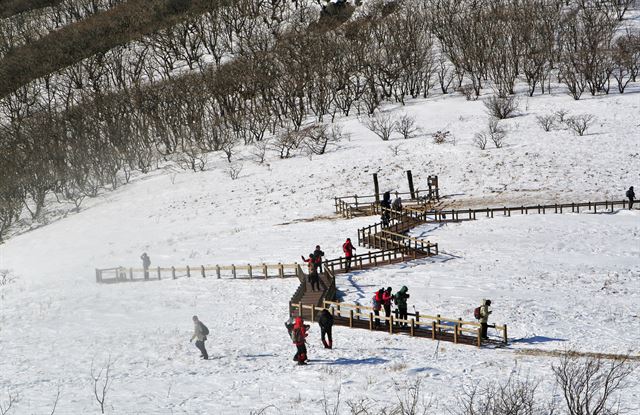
385	205
325	320
317	259
631	195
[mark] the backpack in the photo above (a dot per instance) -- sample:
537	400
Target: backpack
628	193
204	328
476	313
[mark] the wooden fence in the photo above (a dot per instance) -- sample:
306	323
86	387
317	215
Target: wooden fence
122	274
352	206
420	325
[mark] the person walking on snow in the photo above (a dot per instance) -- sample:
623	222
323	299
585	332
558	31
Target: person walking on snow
348	249
200	332
386	303
484	318
377	305
325	320
314	278
401	301
632	196
299	335
146	263
317	256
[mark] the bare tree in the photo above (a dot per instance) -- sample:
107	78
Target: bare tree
406	126
6	406
101	382
501	107
546	121
381	124
580	123
590	385
480	140
496	133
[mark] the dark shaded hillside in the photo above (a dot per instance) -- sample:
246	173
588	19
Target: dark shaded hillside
95	34
9	8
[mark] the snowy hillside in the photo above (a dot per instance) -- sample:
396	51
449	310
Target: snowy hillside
557	281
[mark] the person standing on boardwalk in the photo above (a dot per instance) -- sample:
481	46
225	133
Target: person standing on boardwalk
348	249
325	320
631	196
317	257
386	303
314	278
299	336
146	263
484	318
401	301
397	204
385	205
200	332
377	305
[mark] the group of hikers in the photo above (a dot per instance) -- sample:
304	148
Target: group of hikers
314	263
382	300
386	206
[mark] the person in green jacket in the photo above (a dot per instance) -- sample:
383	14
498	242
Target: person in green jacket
484	317
400	299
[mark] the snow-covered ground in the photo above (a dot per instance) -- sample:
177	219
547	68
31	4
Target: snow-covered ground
557	281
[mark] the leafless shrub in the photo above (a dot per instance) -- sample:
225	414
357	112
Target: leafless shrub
590	385
515	396
317	137
406	126
501	107
496	133
561	114
329	408
440	137
7	405
411	400
468	91
101	382
287	140
546	121
234	170
580	123
55	403
259	150
381	124
480	140
396	149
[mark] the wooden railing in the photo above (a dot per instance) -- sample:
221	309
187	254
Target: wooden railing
350	206
436	326
249	271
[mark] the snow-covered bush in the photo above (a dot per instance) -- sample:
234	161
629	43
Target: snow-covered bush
440	137
546	121
480	140
580	123
406	126
381	124
501	108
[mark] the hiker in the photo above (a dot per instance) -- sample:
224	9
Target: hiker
397	204
386	303
401	301
317	256
631	195
146	262
325	320
484	318
200	332
348	249
377	305
299	335
314	278
385	205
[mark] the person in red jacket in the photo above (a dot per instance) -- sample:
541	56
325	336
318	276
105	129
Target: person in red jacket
386	303
299	335
314	278
348	249
377	302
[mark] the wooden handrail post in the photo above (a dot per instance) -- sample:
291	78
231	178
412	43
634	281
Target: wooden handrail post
173	272
391	324
159	273
233	270
202	271
313	312
479	338
266	270
370	321
281	270
218	271
439	322
188	272
300	309
504	334
250	271
413	327
351	318
455	333
131	274
433	330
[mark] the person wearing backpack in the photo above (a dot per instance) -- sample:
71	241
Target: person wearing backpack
631	196
314	278
482	313
299	336
401	301
348	248
385	205
386	303
377	305
200	332
325	321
